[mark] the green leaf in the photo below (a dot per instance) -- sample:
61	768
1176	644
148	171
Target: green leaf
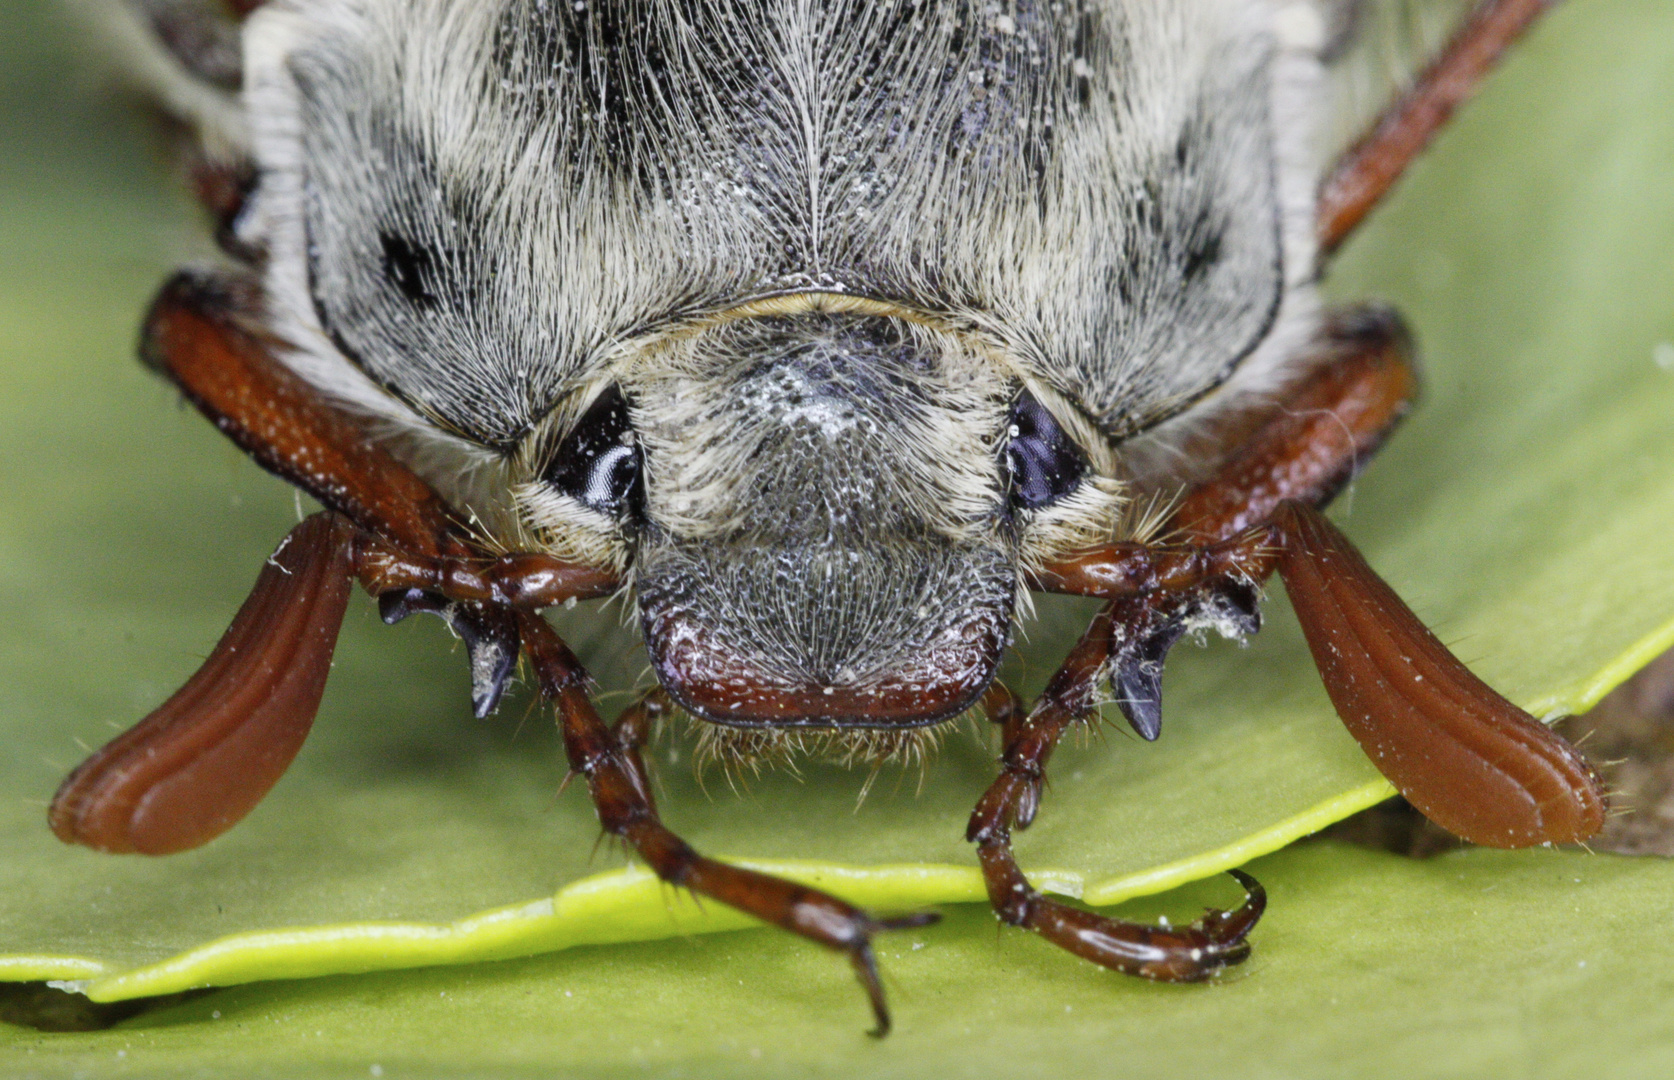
1476	964
1524	510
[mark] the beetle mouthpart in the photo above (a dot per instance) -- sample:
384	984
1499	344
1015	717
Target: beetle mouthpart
826	639
737	749
728	688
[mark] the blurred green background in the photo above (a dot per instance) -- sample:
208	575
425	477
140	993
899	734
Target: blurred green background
1525	511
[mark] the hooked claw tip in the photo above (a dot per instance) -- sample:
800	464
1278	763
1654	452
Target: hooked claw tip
1231	927
1234	955
1255	898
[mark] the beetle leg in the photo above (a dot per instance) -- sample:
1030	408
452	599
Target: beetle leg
206	756
409	541
526	580
1004	709
1468	758
616	778
634	725
630	732
194	335
202	760
409	538
1329	426
1165	953
1369	168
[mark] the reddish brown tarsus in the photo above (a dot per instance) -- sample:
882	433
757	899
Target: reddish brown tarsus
610	760
1170	954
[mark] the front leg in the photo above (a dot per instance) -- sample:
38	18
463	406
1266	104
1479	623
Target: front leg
200	335
1369	168
610	760
1469	759
202	760
1164	953
411	553
1326	427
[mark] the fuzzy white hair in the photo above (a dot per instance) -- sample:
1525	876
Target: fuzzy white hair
819	250
1112	200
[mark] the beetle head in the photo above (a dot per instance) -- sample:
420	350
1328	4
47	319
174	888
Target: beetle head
825	540
824	512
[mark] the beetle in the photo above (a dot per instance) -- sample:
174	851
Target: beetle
822	331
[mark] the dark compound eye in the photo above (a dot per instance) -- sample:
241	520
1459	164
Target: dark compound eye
1045	465
598	463
411	268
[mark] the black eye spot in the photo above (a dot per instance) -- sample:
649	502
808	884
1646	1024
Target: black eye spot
411	268
598	463
1045	464
1202	253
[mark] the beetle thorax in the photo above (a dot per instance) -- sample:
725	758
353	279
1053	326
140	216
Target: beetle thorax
827	540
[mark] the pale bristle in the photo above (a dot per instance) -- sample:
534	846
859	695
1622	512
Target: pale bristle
751	750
